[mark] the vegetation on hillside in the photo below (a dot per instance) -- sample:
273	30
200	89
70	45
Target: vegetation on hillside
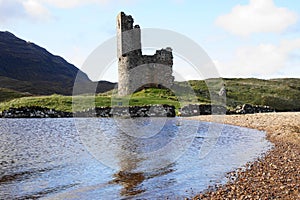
281	94
8	94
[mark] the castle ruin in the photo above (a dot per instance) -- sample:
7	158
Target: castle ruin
137	71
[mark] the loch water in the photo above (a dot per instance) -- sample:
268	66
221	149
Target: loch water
107	158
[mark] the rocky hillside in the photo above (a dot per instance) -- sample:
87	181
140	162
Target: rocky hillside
26	67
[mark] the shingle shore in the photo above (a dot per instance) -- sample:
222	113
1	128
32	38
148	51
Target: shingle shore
277	174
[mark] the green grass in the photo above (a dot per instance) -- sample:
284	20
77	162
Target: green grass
8	94
281	94
58	102
153	96
64	103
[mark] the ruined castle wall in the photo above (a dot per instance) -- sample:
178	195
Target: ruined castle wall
128	36
137	70
123	73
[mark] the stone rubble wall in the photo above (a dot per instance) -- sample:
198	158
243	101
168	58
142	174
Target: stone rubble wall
131	111
203	109
34	112
208	109
134	111
250	109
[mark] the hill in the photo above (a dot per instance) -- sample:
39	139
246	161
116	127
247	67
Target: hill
27	67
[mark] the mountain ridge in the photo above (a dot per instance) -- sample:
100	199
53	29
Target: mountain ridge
27	67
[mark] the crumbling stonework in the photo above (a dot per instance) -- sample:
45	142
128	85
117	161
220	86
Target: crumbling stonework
136	70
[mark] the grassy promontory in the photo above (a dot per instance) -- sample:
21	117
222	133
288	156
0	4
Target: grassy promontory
280	94
64	103
277	175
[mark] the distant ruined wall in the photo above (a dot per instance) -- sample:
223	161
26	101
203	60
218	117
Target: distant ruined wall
136	70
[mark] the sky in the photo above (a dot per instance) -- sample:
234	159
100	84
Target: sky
243	38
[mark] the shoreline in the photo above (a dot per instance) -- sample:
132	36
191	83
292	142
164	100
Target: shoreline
274	176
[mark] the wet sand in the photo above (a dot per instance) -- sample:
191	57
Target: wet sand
277	174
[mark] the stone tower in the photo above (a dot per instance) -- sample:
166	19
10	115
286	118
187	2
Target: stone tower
136	70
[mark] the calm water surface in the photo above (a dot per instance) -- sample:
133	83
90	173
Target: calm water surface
49	159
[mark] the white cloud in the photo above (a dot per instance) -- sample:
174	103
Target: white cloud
11	9
259	61
72	3
256	17
75	3
22	9
36	10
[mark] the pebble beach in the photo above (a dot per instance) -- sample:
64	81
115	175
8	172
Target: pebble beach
277	174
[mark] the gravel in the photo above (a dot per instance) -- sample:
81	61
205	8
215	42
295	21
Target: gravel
277	174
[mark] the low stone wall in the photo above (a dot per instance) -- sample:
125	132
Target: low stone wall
134	111
34	112
208	109
131	111
202	109
250	109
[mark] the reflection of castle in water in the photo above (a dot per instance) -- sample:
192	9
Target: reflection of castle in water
138	158
132	162
132	182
